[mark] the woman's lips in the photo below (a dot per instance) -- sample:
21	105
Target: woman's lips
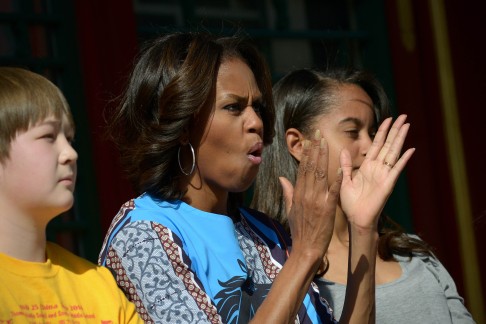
255	153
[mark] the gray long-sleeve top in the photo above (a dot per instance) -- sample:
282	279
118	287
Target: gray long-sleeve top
424	293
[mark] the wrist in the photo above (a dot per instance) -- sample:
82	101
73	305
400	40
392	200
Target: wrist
363	230
306	257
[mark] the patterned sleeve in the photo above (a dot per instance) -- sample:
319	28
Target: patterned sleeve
150	266
458	312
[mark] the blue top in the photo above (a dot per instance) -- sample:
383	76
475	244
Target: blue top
181	264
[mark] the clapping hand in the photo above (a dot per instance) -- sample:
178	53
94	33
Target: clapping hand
311	205
365	191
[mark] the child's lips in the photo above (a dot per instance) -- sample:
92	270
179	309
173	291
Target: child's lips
69	180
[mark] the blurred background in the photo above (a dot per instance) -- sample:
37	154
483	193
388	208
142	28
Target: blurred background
429	54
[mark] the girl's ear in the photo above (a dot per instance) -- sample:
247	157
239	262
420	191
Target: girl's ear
294	139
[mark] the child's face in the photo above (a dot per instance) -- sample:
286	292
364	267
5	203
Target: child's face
350	124
39	176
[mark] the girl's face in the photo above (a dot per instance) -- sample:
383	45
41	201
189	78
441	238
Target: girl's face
230	148
349	124
39	175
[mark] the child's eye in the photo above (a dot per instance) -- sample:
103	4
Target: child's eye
49	136
372	134
353	133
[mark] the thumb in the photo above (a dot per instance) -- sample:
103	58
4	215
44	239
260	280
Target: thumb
346	164
288	193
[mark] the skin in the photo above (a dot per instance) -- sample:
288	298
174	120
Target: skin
228	152
36	184
350	133
234	134
350	126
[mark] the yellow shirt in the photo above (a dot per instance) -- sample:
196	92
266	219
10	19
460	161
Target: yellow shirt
65	289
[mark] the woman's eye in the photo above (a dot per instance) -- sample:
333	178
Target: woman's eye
258	107
233	107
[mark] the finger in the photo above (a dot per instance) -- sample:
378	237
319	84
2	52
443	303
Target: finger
301	171
346	165
335	188
379	139
320	175
288	193
396	147
392	134
313	161
401	163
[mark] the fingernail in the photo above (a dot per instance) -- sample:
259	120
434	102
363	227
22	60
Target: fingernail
317	134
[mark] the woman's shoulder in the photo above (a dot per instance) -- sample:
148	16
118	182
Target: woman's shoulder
263	218
264	223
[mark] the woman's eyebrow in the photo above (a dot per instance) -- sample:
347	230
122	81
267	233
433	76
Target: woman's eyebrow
240	98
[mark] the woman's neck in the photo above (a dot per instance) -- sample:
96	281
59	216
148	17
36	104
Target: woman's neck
207	200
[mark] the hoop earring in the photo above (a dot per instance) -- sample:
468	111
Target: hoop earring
193	160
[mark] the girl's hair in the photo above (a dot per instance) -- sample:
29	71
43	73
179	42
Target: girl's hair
26	98
171	88
301	98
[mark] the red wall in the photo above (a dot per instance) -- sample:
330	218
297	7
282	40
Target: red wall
108	44
417	88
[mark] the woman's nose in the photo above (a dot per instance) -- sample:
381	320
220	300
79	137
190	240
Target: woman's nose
254	122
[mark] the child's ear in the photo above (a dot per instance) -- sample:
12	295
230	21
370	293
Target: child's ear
295	141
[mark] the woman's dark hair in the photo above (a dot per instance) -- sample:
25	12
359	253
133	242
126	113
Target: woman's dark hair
170	90
301	98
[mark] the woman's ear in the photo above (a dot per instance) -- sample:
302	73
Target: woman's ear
294	139
184	139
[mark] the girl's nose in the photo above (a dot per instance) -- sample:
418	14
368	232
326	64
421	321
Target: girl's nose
366	144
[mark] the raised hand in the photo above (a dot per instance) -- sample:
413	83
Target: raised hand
365	192
311	205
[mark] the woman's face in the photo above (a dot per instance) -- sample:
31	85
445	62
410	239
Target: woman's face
229	150
349	124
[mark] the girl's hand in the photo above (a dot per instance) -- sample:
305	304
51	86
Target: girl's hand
365	191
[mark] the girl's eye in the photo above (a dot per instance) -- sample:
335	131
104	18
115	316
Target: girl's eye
353	133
